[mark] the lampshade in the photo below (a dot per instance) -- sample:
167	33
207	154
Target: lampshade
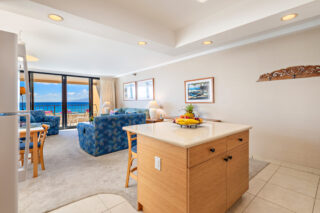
153	105
106	107
106	104
22	90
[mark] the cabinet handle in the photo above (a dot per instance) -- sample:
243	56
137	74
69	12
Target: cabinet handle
240	139
226	159
212	150
229	157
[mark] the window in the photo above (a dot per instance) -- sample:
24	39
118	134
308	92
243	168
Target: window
77	100
47	94
63	95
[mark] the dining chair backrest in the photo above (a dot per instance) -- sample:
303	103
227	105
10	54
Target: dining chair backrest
43	134
131	137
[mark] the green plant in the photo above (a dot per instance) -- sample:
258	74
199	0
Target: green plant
189	108
91	118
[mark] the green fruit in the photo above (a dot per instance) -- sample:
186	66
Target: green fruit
189	108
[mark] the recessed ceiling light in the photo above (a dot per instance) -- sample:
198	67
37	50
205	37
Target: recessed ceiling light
142	43
30	58
207	42
289	17
55	17
202	1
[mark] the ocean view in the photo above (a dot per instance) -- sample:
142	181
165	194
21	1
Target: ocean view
56	107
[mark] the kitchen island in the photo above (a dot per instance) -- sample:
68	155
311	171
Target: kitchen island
198	170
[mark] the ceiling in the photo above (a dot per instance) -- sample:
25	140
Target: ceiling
173	14
99	37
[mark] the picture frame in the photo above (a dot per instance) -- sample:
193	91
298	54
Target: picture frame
145	90
129	91
199	90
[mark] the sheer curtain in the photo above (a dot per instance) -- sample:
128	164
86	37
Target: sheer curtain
107	92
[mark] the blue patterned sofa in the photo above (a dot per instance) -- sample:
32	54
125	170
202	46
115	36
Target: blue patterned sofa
130	111
39	116
105	135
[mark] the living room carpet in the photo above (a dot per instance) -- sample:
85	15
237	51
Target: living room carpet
71	174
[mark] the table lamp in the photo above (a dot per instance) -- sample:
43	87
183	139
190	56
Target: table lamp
106	107
153	107
22	92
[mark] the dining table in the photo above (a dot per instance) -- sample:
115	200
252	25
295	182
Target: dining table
34	132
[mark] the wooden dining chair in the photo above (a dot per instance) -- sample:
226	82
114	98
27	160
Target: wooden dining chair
41	140
132	151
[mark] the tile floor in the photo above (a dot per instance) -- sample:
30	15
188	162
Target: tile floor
101	203
279	188
282	188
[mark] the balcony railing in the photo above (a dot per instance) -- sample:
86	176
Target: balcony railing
77	112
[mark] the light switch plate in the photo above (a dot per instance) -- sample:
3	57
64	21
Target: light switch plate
157	163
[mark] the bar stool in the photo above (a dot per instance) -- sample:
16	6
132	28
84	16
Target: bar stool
132	151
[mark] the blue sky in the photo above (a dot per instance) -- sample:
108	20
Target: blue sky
51	92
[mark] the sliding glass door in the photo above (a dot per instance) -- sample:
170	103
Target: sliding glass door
73	98
47	94
77	100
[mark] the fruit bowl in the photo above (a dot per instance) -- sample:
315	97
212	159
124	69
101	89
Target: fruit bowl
189	119
188	122
189	125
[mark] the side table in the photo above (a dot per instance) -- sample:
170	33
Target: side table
148	121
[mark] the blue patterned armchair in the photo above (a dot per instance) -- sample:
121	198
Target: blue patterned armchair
39	116
106	134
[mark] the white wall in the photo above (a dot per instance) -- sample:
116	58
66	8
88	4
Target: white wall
284	114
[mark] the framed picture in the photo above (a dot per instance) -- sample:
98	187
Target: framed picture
145	90
129	91
199	90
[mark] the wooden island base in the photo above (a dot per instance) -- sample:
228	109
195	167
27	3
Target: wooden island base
207	178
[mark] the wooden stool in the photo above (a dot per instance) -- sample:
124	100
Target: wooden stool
132	151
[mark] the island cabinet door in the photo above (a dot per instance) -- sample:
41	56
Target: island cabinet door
238	173
207	186
164	190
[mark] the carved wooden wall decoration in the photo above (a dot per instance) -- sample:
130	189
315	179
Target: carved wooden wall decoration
292	73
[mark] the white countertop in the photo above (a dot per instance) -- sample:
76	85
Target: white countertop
187	137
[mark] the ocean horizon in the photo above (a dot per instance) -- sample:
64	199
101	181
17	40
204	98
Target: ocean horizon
56	107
